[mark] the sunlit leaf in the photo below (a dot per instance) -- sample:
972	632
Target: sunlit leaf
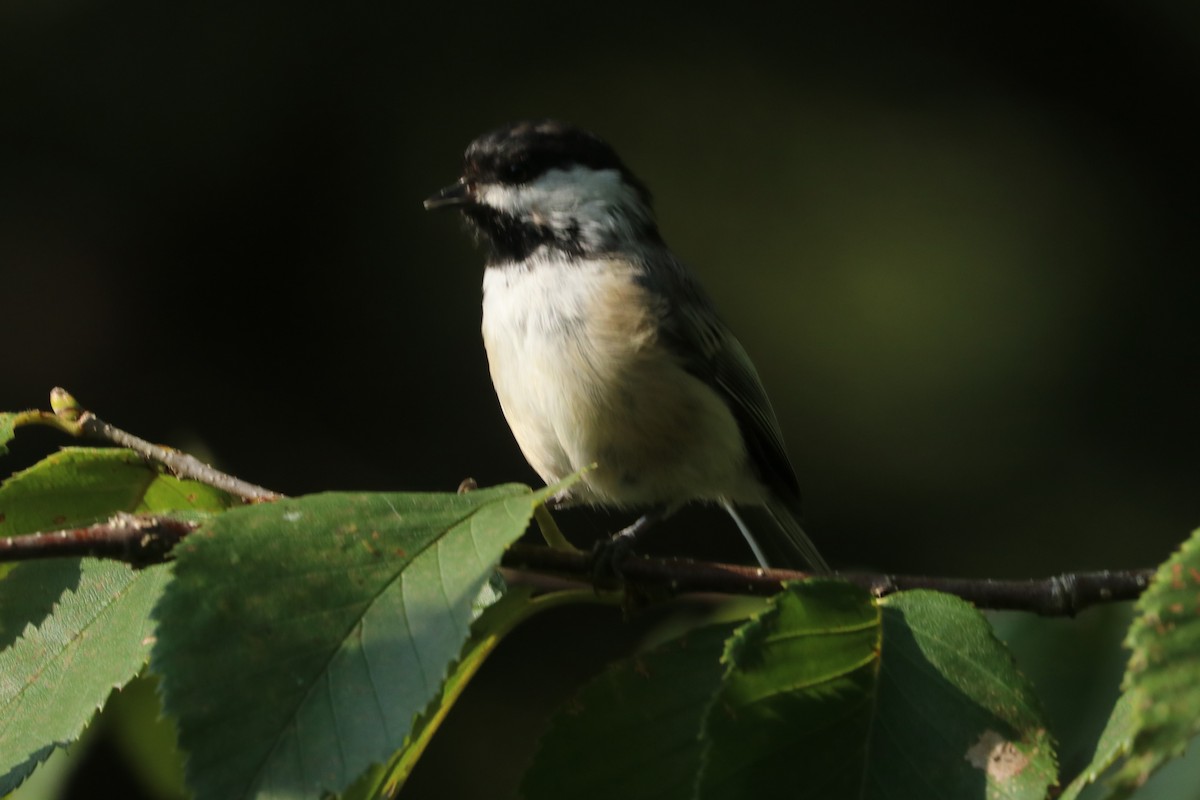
7	420
72	629
71	488
55	676
502	614
81	485
301	638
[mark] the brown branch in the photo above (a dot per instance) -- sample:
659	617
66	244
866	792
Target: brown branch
148	539
1062	595
137	539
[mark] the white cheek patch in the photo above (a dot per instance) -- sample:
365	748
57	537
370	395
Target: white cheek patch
592	204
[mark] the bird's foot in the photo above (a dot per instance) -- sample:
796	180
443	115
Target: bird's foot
609	554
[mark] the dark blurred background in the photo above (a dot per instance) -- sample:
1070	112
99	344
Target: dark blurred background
960	244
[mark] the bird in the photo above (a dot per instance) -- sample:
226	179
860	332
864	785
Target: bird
605	351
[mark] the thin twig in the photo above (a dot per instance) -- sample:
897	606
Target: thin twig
137	539
69	416
1062	595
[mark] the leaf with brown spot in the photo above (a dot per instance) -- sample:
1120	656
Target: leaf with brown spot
1159	714
828	693
851	697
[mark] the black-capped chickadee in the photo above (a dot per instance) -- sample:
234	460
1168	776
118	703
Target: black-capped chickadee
605	350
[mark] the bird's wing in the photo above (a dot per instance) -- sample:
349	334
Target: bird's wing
707	349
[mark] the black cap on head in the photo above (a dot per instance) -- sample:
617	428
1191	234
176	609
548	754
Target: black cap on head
522	151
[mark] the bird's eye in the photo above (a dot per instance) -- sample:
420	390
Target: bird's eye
516	171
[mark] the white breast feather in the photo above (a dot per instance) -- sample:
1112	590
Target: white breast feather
582	379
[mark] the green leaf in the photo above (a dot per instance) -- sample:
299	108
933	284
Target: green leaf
633	732
55	677
7	425
832	694
28	595
81	485
496	621
954	709
19	773
1076	665
300	639
72	488
1163	677
487	630
796	700
1115	741
72	629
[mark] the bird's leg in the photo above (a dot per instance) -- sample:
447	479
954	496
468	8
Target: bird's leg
608	554
645	522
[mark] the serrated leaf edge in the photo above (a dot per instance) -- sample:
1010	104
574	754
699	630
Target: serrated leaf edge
27	639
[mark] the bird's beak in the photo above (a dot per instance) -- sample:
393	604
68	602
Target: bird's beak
456	194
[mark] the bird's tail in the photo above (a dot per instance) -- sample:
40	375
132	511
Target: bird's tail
780	541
